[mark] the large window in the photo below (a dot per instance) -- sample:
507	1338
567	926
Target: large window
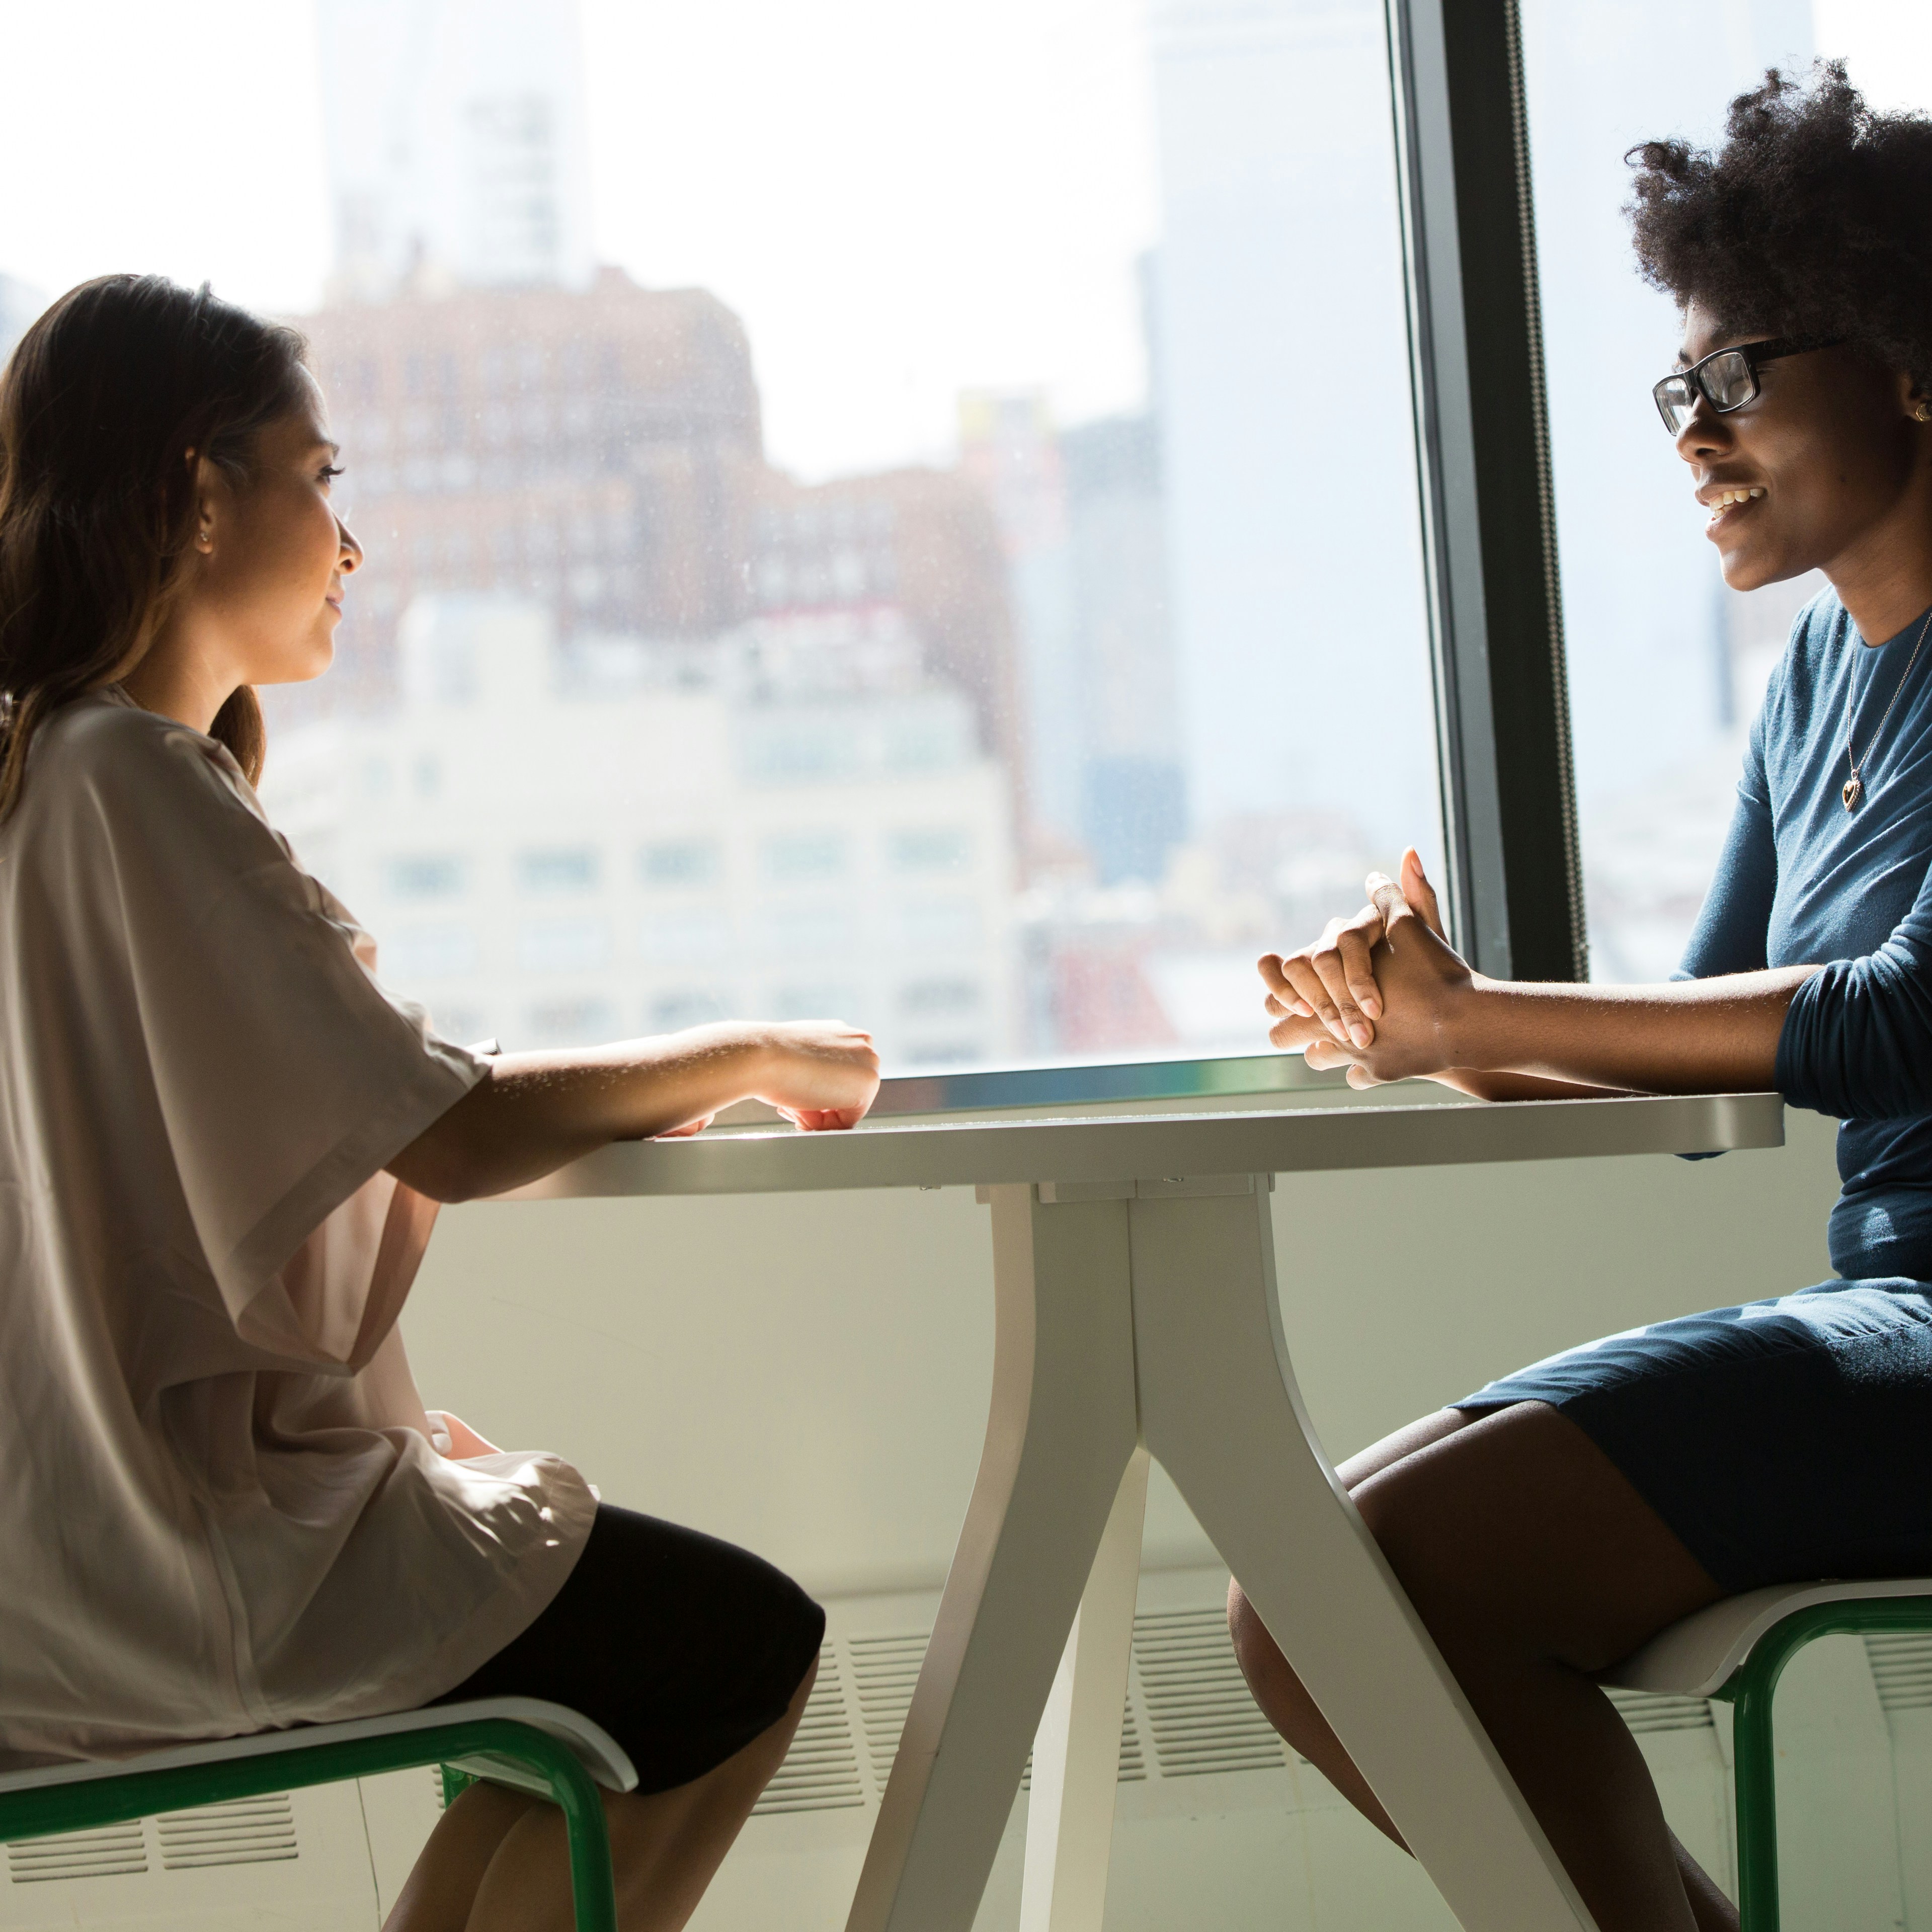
902	511
1667	667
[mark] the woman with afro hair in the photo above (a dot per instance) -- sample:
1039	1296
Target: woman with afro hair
1550	1524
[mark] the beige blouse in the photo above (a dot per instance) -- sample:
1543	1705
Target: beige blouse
220	1508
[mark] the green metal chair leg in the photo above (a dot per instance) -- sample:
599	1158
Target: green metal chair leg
1751	1690
505	1751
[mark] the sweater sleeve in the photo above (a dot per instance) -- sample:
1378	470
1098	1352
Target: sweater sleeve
1857	1040
1734	925
1734	922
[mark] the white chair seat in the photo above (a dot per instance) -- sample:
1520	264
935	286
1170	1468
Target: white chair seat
598	1752
1695	1658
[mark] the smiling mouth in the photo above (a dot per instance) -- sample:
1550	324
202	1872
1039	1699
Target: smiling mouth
1729	504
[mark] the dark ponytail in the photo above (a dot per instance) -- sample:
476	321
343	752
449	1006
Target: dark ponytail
103	400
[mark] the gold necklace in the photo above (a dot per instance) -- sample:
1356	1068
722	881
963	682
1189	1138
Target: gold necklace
1854	786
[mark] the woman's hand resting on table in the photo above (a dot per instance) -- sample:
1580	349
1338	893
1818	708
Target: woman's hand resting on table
1378	993
820	1074
1384	995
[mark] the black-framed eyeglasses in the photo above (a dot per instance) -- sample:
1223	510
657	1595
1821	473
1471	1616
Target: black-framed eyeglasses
1727	378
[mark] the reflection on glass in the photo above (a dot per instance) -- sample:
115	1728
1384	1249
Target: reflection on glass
960	571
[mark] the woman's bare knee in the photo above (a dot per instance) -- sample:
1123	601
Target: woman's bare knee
1522	1528
1270	1678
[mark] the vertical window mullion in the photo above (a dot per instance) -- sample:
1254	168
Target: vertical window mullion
1515	888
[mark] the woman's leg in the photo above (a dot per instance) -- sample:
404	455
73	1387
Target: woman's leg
1534	1564
500	1862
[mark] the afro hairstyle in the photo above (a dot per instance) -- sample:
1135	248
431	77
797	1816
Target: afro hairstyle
1813	218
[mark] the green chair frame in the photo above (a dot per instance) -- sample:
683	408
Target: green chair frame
1750	1690
1736	1650
502	1751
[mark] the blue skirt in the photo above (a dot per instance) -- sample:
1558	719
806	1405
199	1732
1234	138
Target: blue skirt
1783	1441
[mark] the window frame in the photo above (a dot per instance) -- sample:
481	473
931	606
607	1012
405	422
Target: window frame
1515	896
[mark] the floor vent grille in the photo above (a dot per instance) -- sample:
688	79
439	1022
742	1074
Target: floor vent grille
821	1772
884	1669
117	1851
1647	1710
1198	1706
1901	1667
250	1832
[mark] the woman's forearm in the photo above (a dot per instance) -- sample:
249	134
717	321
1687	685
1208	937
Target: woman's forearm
533	1112
1690	1036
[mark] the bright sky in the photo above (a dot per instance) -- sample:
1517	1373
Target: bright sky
902	201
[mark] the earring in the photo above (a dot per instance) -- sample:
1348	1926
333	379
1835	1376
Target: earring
1923	413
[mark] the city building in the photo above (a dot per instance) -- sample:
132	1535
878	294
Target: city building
1008	450
597	451
1282	388
456	145
1081	520
920	542
557	847
1132	792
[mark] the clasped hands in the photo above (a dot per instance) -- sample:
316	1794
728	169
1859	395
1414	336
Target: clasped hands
1380	993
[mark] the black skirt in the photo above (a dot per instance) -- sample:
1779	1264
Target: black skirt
1783	1441
683	1648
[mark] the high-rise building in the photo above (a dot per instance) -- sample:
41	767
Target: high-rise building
1081	518
1283	392
1008	450
456	144
1132	797
921	543
598	452
557	847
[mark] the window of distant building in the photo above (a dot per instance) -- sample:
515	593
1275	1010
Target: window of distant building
669	1011
824	999
939	998
807	925
680	861
429	952
944	1053
562	868
937	924
564	945
571	1022
424	876
685	933
930	849
801	858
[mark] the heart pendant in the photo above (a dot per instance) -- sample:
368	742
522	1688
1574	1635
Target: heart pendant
1854	790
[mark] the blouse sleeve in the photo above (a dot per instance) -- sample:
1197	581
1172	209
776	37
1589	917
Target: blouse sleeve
1857	1040
284	1076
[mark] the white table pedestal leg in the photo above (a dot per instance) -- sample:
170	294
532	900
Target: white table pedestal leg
1220	1411
1076	1752
1061	1430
